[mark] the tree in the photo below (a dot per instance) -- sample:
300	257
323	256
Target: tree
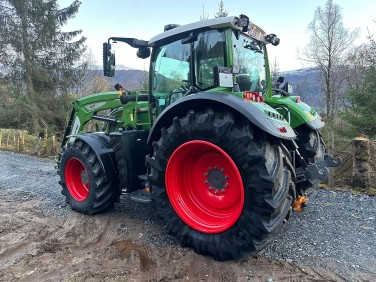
275	71
362	93
221	10
85	72
204	15
327	47
99	84
39	58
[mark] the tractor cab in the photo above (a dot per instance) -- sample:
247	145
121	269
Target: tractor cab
222	54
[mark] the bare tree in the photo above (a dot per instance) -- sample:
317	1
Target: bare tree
327	47
275	70
204	15
222	12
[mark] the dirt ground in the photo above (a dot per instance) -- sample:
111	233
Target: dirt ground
42	239
37	246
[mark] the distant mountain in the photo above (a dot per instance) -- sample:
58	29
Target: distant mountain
297	76
129	78
304	81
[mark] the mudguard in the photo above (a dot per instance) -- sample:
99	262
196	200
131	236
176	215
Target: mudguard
100	143
259	114
300	112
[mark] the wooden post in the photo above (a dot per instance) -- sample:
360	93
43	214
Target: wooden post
54	143
8	139
23	140
1	137
14	140
361	175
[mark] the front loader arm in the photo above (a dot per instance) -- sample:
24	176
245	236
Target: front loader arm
85	108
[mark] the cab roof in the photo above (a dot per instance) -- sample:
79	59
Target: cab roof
211	24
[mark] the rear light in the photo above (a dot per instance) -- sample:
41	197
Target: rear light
253	96
282	129
297	100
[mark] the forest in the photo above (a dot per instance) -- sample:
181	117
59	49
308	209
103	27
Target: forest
43	69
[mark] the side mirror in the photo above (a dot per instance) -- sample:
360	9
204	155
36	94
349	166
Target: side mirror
279	81
143	53
108	59
287	87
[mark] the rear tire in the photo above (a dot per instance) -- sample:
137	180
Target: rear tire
312	149
83	180
251	211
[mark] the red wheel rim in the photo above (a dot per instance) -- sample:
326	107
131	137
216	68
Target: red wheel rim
77	179
204	186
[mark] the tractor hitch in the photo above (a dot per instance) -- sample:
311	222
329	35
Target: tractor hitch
329	161
318	170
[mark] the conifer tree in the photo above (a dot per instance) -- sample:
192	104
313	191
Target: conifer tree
361	96
222	12
39	58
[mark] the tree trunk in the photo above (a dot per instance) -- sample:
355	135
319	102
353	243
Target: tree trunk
361	175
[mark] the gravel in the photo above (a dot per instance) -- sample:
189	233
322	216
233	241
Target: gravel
337	230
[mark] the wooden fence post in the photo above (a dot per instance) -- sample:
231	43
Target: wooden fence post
54	143
7	139
23	133
361	174
20	144
1	137
14	140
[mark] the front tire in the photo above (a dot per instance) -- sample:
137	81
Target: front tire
83	180
223	187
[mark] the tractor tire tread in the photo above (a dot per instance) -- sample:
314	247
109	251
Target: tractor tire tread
101	192
267	177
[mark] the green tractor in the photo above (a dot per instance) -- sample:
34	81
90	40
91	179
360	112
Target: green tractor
221	153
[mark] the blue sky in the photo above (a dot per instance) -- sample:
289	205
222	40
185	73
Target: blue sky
143	19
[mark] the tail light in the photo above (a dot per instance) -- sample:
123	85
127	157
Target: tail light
253	96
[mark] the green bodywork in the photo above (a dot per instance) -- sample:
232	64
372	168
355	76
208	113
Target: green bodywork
300	112
134	114
140	115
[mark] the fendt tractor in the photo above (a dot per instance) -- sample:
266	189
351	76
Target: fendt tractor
222	153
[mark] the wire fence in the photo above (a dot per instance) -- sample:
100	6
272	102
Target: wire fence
48	146
21	141
342	174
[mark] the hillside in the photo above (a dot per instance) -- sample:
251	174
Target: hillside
305	84
304	81
131	79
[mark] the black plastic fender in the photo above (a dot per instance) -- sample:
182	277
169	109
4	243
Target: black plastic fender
100	144
219	100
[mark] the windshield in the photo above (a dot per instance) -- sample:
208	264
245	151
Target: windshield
209	50
249	57
172	64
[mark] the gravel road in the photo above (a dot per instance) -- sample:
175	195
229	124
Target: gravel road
333	239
